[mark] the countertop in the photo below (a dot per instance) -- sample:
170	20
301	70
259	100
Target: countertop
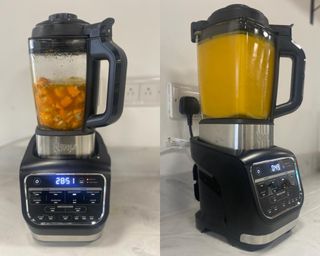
132	227
179	235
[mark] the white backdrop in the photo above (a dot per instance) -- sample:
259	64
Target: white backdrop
136	30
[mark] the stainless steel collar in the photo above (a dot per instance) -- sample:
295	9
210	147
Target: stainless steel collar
75	145
66	238
237	136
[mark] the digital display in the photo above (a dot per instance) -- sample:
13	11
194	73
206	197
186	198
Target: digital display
65	180
275	167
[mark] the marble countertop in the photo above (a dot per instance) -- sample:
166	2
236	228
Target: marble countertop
132	227
179	235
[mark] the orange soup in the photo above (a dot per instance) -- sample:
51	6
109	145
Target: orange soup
60	105
236	73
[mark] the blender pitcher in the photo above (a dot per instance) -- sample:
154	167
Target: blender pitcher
238	64
65	54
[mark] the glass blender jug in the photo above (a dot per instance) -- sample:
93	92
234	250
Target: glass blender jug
65	53
59	82
238	62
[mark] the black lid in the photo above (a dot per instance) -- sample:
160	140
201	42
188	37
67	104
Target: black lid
235	11
230	12
60	24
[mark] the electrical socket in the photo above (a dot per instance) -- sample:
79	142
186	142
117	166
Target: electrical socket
132	94
174	92
142	91
150	93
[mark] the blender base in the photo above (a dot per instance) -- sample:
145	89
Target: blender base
73	211
242	198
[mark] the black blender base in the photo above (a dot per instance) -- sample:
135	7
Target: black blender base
205	227
71	231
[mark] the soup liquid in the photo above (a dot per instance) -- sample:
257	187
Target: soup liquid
60	105
236	73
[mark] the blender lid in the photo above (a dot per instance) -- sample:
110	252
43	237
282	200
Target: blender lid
60	24
230	12
235	11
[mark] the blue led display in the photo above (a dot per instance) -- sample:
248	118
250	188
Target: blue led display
64	180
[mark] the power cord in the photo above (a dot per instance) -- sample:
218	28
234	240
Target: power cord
189	106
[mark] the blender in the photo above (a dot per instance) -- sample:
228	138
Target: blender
65	172
249	190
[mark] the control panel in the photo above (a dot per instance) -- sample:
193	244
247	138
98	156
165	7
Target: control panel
65	199
277	186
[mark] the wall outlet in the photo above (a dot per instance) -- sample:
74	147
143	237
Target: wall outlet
142	91
132	94
150	93
175	92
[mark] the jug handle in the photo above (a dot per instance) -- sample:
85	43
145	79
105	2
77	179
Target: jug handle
287	48
100	49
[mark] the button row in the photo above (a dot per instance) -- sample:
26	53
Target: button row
65	208
46	218
275	187
283	205
67	197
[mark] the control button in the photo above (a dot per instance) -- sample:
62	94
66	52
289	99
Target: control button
80	209
93	197
93	201
83	217
50	217
272	187
76	218
40	217
263	193
275	208
56	197
74	197
284	183
35	197
81	181
49	209
283	204
36	200
65	217
91	217
273	199
36	194
257	172
269	211
37	181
